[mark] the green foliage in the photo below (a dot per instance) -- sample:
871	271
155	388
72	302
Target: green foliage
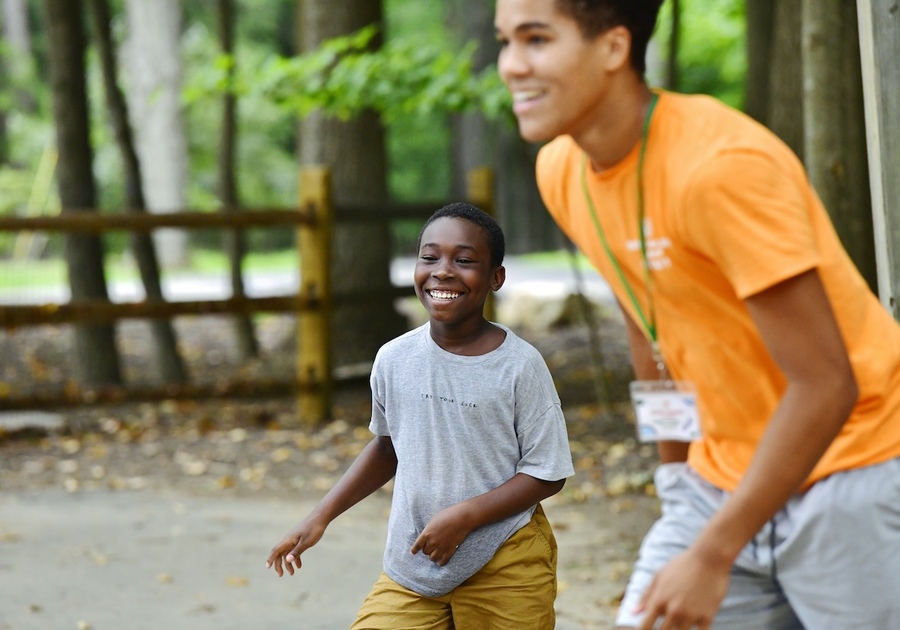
405	77
712	49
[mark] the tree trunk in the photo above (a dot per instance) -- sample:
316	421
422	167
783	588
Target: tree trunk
472	135
171	366
672	77
154	98
235	243
760	34
97	359
835	131
354	150
784	114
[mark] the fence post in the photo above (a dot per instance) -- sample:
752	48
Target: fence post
314	325
480	191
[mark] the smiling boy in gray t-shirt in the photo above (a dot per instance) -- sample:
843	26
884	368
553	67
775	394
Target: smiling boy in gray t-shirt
468	422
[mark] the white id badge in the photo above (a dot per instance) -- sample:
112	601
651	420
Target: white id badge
665	410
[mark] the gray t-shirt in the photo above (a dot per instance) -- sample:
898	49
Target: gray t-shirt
461	426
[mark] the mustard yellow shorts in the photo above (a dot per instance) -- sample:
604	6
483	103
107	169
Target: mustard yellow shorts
516	589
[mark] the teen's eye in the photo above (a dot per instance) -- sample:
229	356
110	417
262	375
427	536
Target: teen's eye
464	261
428	257
537	40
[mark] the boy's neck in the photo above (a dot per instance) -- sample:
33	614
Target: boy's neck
618	125
468	341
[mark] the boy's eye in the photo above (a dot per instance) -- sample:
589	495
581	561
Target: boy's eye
464	260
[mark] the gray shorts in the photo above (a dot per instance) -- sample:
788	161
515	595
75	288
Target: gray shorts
830	559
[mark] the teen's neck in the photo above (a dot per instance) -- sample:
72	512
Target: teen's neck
618	127
468	341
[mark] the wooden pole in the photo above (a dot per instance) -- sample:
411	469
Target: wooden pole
480	190
314	325
879	38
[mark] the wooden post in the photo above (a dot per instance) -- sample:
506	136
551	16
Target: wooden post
879	38
314	324
480	190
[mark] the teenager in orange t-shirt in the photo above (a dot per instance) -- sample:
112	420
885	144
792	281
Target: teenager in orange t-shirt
732	280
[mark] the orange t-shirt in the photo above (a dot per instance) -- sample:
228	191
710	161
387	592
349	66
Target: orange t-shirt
728	213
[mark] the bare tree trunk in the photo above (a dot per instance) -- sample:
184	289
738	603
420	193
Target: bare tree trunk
472	135
97	359
170	364
835	132
154	98
785	111
672	77
355	151
760	34
235	243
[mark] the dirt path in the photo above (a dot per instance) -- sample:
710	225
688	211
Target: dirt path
160	516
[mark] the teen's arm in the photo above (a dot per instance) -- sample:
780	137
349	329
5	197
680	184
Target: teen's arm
645	369
798	326
448	528
373	467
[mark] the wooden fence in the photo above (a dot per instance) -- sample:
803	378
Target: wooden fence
314	219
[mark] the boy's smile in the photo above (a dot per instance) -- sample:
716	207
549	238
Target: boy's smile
453	274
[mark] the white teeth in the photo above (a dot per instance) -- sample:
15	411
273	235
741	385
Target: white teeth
525	95
443	295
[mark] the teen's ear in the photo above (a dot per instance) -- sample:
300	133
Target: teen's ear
617	44
498	278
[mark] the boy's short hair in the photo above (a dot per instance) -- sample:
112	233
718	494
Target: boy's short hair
595	17
472	214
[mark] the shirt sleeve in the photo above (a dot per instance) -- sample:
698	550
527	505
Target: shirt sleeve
541	427
378	424
751	217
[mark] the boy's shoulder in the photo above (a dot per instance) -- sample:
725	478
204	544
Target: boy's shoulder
403	342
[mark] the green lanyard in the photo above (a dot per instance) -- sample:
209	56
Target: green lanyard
649	325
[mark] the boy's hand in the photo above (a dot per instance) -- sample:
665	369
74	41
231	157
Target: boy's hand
286	554
443	534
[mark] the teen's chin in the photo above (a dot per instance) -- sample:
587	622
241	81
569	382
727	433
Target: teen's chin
534	131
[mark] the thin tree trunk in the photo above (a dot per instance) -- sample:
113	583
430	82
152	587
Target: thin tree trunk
835	133
170	363
785	111
235	243
153	57
674	43
97	359
760	33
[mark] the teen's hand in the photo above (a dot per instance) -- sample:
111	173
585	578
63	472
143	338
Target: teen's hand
686	593
286	554
443	534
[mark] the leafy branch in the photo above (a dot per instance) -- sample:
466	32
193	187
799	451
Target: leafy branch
345	76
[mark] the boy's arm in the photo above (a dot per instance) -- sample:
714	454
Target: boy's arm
798	326
373	467
645	369
448	528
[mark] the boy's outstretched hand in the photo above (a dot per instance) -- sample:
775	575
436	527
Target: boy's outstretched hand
286	554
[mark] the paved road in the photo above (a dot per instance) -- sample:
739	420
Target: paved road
135	560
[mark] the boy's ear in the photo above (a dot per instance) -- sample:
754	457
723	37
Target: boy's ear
617	44
498	278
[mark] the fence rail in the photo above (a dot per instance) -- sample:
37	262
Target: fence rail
315	376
